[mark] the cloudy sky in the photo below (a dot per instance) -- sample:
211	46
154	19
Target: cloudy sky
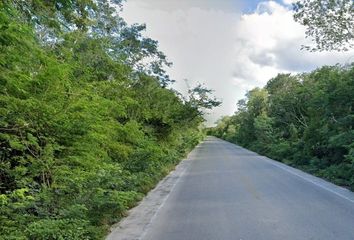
230	46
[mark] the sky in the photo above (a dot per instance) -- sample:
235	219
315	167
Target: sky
230	46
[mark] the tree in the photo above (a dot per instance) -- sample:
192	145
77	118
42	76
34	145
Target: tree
329	23
200	97
85	127
305	120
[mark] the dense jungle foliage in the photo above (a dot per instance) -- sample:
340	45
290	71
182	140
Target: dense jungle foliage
88	124
305	121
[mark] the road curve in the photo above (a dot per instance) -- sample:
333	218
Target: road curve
231	193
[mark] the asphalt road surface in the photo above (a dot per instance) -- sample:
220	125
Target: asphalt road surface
229	193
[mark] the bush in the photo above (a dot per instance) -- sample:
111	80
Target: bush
62	229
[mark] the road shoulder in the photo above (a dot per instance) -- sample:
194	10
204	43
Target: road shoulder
139	218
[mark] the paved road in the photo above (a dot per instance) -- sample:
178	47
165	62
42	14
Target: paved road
229	193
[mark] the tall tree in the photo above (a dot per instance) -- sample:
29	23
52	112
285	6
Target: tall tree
329	23
86	126
304	120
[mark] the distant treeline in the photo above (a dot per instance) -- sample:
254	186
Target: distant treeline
306	121
88	124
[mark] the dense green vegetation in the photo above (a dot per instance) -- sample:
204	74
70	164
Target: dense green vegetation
306	121
87	121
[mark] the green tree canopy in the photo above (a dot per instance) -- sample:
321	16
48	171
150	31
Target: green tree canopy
88	123
304	120
329	23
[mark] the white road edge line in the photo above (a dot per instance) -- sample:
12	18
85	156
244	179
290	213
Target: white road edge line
147	226
289	170
308	180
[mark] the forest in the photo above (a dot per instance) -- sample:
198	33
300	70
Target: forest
88	122
304	120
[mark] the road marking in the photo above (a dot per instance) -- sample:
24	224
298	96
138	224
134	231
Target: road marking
308	180
250	187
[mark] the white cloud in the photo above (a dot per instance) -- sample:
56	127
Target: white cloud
289	2
173	5
212	42
198	40
269	42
